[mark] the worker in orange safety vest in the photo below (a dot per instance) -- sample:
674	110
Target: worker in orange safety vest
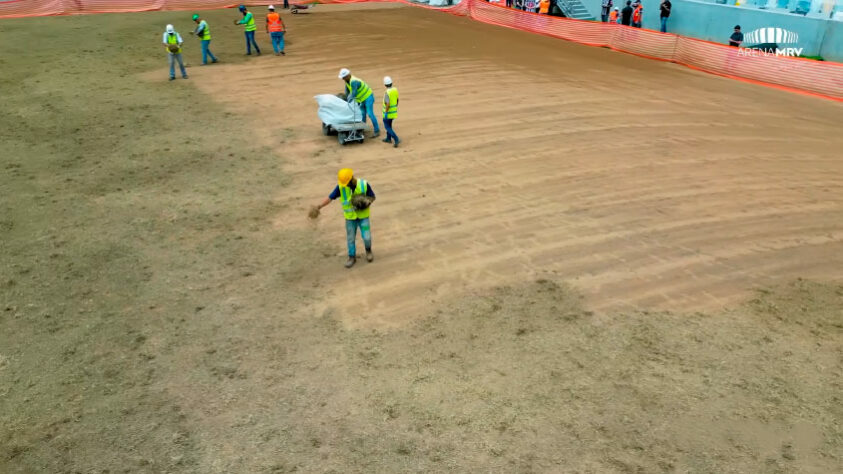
276	29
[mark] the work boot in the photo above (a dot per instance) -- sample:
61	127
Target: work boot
397	141
376	134
387	140
350	262
283	53
369	256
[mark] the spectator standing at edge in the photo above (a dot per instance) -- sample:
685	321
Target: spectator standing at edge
544	7
249	27
172	43
605	8
614	16
626	13
737	37
275	28
204	34
637	15
664	9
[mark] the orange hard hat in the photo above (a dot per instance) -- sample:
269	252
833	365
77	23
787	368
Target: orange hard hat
344	176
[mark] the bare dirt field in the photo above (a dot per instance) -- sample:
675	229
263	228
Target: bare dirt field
585	261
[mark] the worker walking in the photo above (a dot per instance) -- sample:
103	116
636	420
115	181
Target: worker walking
275	28
358	90
172	43
355	197
204	34
390	111
249	26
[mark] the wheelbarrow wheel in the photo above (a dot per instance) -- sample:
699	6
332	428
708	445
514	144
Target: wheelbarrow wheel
341	137
326	129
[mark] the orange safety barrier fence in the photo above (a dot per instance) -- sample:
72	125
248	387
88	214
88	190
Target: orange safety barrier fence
819	78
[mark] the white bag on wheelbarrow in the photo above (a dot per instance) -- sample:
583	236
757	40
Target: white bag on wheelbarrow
334	111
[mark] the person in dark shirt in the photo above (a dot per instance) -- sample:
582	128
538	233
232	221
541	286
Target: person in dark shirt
664	14
737	37
626	13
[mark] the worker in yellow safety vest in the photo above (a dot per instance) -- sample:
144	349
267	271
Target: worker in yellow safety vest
390	111
172	43
356	195
250	27
203	32
357	90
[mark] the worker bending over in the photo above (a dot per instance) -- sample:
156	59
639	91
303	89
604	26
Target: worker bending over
390	111
358	90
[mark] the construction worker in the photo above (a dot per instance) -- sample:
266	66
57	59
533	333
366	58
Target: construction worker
613	16
204	34
172	43
275	28
544	7
390	111
355	216
358	90
249	26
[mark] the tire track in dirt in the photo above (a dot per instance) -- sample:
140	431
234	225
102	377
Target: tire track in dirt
642	184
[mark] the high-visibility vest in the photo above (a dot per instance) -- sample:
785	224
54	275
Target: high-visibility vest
613	16
544	6
274	23
346	193
636	15
206	32
173	38
363	90
250	22
391	98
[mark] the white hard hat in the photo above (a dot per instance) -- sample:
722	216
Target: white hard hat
387	80
344	72
170	29
271	7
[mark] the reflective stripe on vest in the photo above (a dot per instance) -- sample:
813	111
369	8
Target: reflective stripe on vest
173	39
250	24
274	23
206	32
347	208
363	90
391	112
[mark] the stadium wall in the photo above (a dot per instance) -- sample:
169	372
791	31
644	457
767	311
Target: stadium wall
823	79
713	22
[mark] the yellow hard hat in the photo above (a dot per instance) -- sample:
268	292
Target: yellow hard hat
344	176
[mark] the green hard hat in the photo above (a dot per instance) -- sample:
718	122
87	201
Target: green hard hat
195	17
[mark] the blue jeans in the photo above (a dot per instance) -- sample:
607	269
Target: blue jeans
390	133
206	51
250	40
172	58
351	234
664	24
368	107
277	41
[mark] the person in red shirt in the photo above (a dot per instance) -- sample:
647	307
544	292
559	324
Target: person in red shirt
636	16
275	27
